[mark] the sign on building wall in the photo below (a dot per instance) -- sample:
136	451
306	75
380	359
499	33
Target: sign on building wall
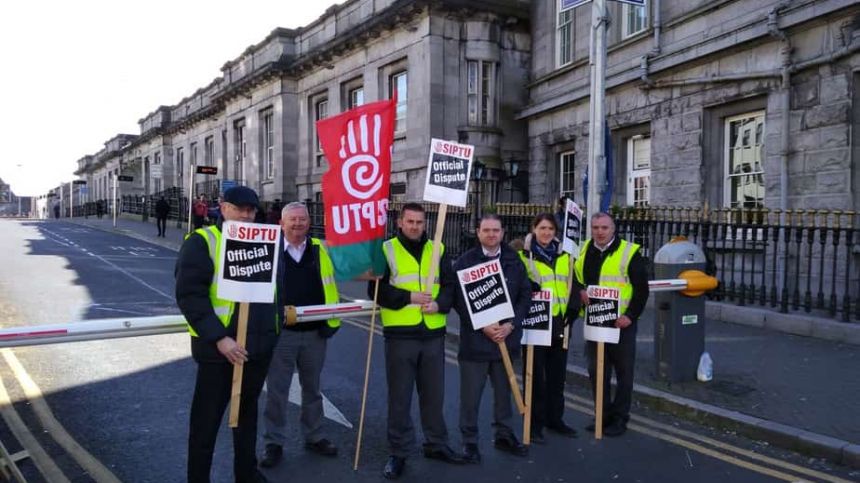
156	171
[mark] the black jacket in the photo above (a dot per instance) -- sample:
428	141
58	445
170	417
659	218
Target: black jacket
162	208
194	271
395	298
474	345
637	272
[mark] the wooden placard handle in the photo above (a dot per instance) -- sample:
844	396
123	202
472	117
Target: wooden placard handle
512	378
236	391
598	399
527	418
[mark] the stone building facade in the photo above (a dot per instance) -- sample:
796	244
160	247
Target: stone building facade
733	103
459	69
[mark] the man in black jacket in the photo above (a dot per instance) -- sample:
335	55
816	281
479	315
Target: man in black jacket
413	320
212	323
605	246
479	355
162	209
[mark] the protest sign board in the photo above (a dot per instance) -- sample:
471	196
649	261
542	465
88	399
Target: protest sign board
571	231
486	294
448	171
537	326
249	262
603	309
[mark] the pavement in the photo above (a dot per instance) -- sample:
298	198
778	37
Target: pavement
797	392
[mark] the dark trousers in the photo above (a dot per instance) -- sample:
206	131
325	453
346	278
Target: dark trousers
473	377
161	223
211	397
410	364
620	358
548	375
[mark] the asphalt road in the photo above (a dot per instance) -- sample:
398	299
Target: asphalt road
124	402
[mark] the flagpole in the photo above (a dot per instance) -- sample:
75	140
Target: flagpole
366	375
596	148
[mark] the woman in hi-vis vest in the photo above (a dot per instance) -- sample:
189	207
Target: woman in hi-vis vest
548	268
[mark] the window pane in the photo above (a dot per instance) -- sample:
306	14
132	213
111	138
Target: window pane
564	37
745	174
486	92
399	88
568	176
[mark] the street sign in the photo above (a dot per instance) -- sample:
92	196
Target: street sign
227	184
207	170
79	181
156	171
123	177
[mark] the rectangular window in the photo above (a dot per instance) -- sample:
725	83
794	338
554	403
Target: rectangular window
239	150
192	153
567	182
156	184
480	93
209	151
634	19
398	86
180	164
744	146
639	170
268	145
356	97
564	38
320	113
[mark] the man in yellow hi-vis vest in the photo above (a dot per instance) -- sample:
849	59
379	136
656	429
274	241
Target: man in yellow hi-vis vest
413	322
308	279
609	261
212	324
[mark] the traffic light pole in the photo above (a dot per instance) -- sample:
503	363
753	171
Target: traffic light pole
115	193
596	144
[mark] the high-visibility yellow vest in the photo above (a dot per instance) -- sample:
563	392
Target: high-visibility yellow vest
327	276
613	272
408	274
223	308
549	278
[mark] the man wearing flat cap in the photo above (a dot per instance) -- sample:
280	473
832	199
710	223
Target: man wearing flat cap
212	323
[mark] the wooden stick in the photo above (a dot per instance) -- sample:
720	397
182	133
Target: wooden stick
512	378
366	377
437	244
527	419
236	392
598	403
566	329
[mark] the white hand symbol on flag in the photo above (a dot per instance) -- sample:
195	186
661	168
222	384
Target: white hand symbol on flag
361	175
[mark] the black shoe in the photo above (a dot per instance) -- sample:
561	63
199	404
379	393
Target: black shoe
323	447
537	436
471	454
606	422
562	429
394	468
617	428
443	453
272	455
509	444
259	478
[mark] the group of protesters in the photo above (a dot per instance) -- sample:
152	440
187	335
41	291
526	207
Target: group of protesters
413	317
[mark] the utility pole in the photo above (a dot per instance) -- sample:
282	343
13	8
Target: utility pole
596	145
71	199
115	183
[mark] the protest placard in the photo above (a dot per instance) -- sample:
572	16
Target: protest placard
602	311
571	231
448	171
486	294
537	326
250	254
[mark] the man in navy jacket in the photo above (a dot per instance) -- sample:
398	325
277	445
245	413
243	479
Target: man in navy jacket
480	355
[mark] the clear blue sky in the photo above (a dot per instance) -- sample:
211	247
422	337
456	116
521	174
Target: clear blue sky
77	73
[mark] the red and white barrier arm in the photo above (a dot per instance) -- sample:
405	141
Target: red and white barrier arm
139	326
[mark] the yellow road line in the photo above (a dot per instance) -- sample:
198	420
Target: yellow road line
451	357
46	466
90	464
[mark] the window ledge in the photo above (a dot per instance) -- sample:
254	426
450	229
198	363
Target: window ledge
489	129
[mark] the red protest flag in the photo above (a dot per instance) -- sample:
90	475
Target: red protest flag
357	144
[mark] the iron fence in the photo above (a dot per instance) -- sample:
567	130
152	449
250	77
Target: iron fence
794	260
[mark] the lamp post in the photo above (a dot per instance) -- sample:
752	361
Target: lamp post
512	169
478	174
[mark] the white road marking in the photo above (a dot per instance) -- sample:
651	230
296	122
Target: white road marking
330	411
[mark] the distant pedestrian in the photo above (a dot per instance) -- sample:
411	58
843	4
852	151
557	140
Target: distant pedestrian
100	208
214	211
162	209
199	211
57	210
274	215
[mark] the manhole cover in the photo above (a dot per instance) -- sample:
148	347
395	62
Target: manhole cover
730	388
